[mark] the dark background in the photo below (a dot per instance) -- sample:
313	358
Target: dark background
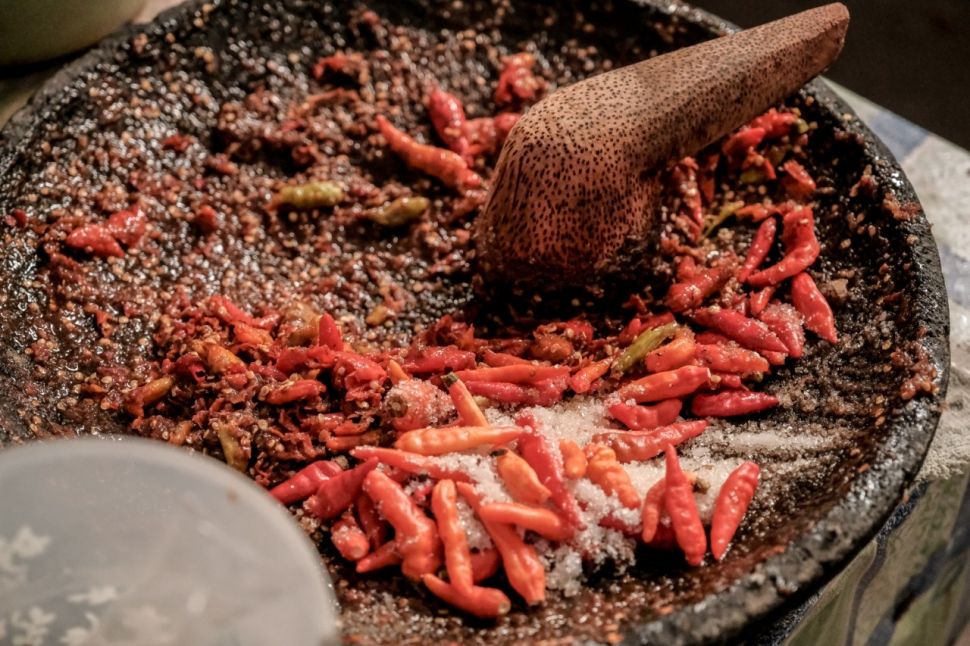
911	56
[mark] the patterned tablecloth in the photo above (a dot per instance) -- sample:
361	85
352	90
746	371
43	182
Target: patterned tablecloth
911	584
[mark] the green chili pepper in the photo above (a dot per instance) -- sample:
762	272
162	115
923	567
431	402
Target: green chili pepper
310	195
727	211
752	176
400	211
645	343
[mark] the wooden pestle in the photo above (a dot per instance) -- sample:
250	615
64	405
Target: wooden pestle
577	182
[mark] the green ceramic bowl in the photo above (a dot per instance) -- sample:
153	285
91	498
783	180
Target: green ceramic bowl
35	30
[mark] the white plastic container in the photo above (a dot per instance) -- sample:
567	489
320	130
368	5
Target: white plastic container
133	542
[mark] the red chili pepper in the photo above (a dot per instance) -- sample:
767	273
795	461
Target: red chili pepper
758	301
666	385
328	333
305	482
537	450
486	135
731	505
738	144
516	82
723	380
690	293
637	446
501	359
641	418
370	521
798	183
337	493
546	393
811	304
384	556
675	354
348	537
757	212
415	534
447	166
95	239
440	359
682	508
523	569
764	238
731	358
582	380
785	321
729	403
751	333
412	463
801	249
775	124
448	118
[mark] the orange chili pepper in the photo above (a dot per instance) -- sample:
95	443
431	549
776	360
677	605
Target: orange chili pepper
652	507
348	537
521	479
439	441
384	556
468	410
523	568
415	534
542	521
482	602
675	354
583	379
513	374
419	465
680	504
458	558
485	564
573	459
604	470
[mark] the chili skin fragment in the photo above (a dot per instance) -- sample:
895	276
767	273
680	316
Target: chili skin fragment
682	508
730	506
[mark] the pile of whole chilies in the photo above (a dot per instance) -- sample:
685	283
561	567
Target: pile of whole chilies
724	325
